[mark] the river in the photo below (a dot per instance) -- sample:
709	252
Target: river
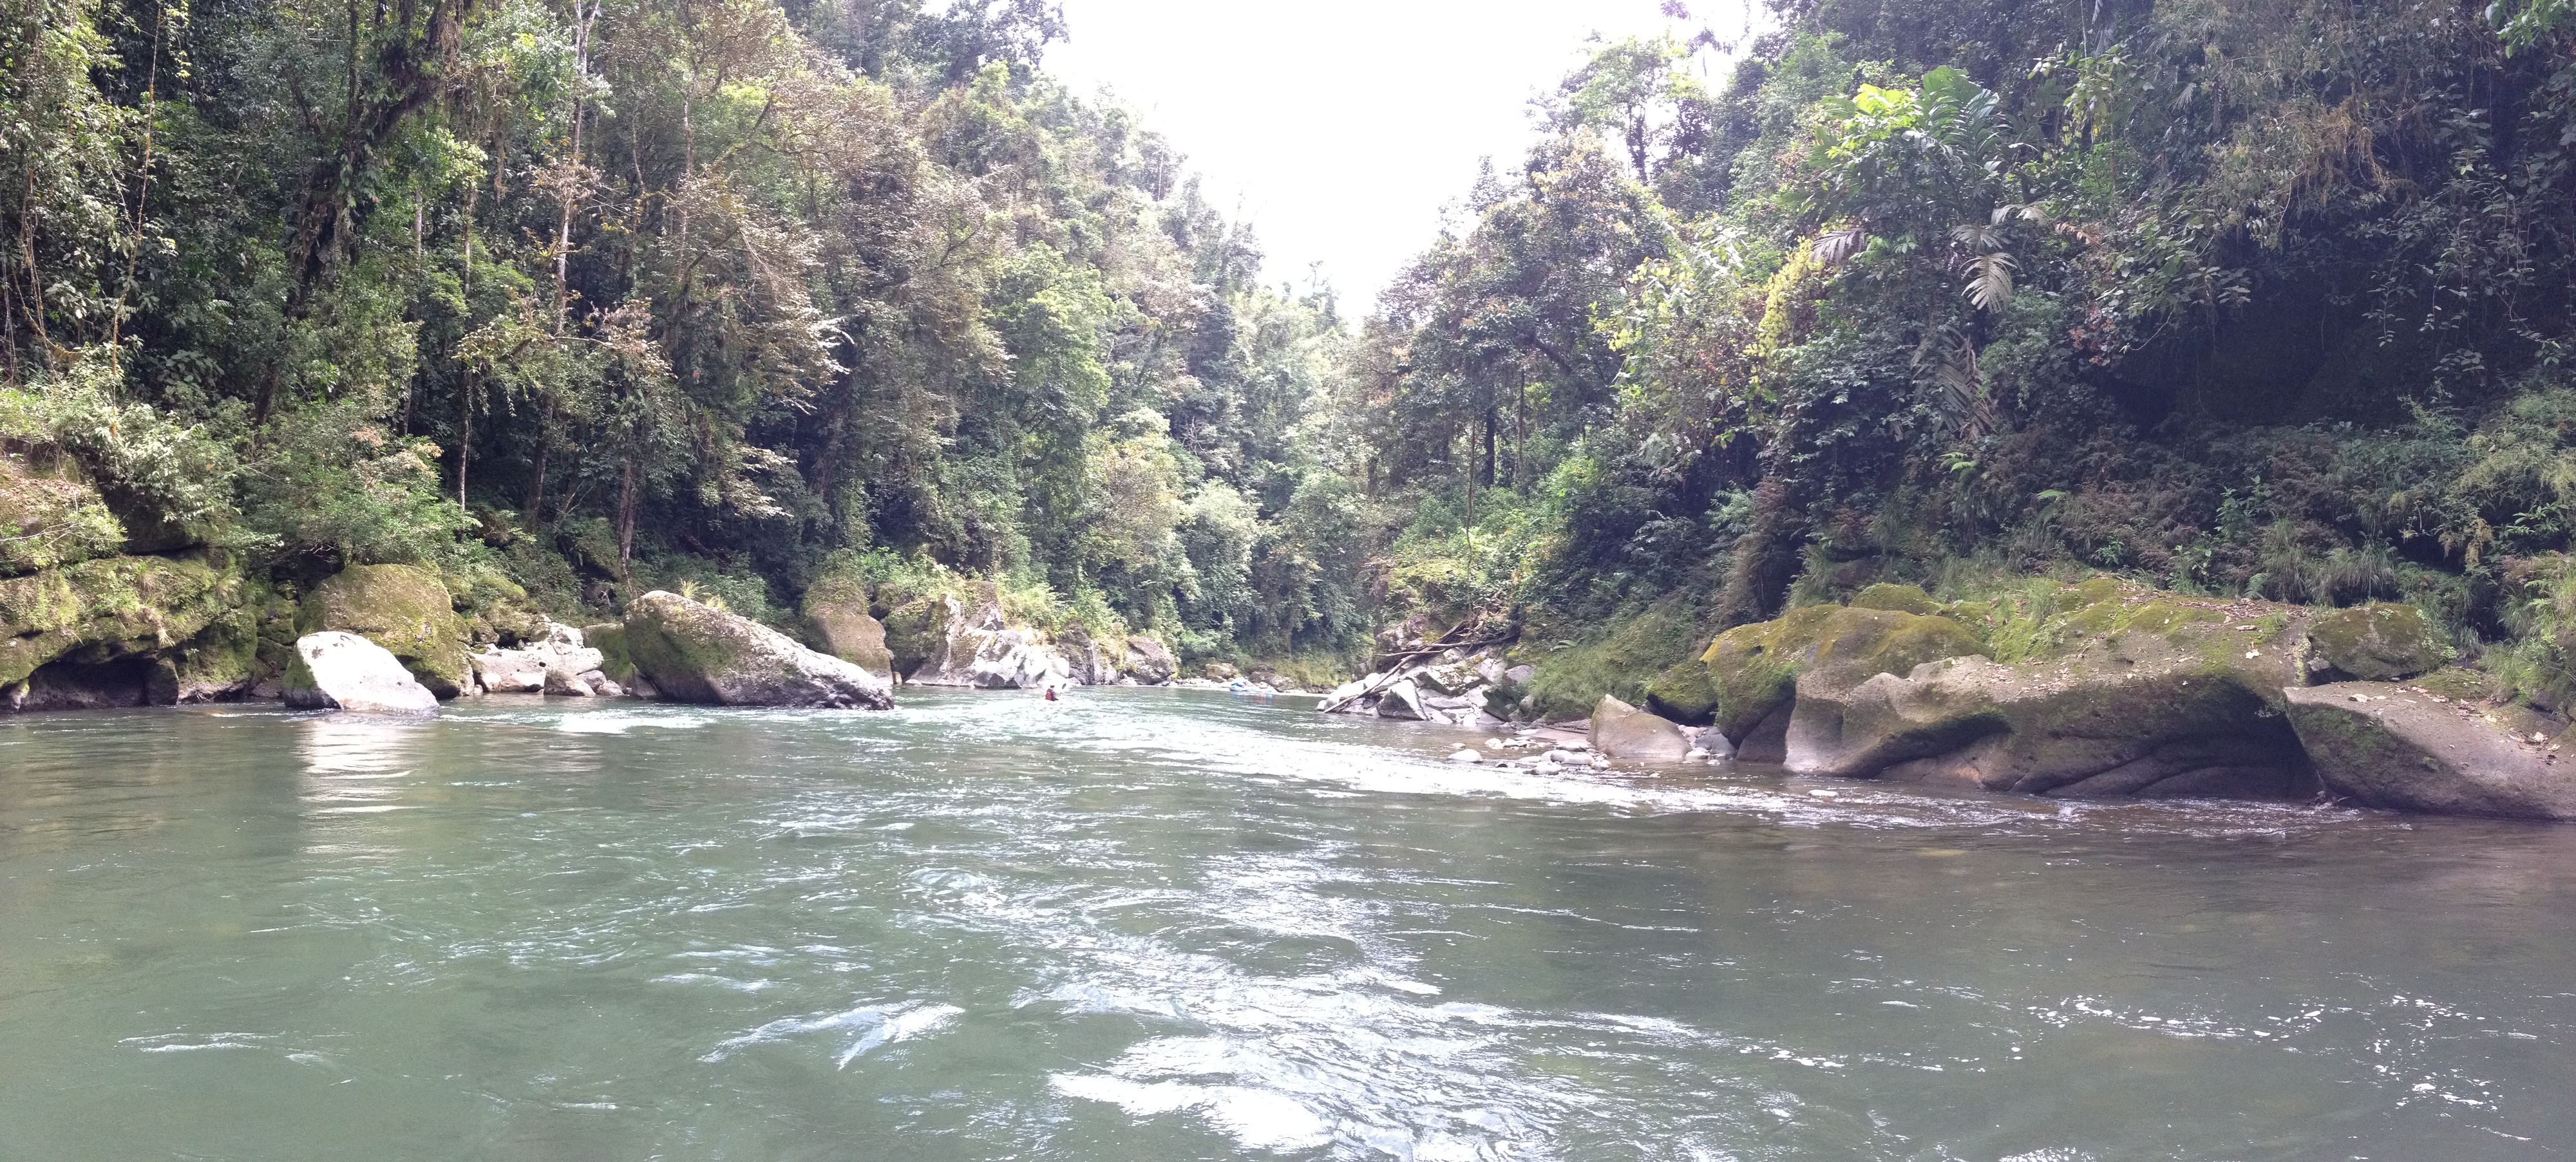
1142	925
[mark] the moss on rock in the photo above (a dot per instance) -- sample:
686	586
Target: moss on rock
694	653
108	608
837	622
2380	642
1683	693
1899	598
609	638
50	517
405	609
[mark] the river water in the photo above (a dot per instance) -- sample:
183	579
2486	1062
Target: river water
1147	925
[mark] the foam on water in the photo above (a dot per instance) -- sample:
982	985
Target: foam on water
1137	925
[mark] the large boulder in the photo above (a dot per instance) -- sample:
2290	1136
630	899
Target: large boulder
1622	731
968	641
2106	689
336	670
1753	670
694	653
49	516
2391	746
2380	642
838	623
1683	693
108	608
405	609
1149	661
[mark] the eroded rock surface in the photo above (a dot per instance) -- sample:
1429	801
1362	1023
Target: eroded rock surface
106	609
968	641
2110	690
2380	642
2385	745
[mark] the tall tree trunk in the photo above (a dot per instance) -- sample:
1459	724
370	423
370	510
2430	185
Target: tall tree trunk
626	505
464	433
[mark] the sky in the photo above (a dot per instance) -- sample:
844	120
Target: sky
1342	128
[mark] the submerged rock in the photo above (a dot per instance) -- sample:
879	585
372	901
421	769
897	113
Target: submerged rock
693	653
2385	745
337	670
403	608
1622	731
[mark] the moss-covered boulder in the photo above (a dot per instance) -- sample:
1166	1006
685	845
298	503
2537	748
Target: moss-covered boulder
222	663
2390	746
837	622
100	610
2380	642
2105	689
694	653
1683	692
49	517
405	609
1753	669
609	638
917	630
1899	598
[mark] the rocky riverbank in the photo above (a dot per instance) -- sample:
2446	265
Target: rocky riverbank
2092	690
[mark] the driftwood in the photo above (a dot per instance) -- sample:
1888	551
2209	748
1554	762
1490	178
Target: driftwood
1393	667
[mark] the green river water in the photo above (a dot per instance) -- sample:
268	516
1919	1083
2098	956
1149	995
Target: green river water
1145	925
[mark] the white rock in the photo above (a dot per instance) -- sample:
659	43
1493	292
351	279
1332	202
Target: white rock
337	670
1466	755
510	671
563	683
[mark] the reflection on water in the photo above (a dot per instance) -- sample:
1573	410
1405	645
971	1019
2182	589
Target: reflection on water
1141	925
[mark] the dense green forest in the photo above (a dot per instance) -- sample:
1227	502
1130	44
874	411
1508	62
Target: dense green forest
2266	297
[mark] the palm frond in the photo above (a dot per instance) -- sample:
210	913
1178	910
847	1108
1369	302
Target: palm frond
1990	280
1835	246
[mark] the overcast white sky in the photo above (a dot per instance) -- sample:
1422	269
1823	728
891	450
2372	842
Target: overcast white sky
1340	128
